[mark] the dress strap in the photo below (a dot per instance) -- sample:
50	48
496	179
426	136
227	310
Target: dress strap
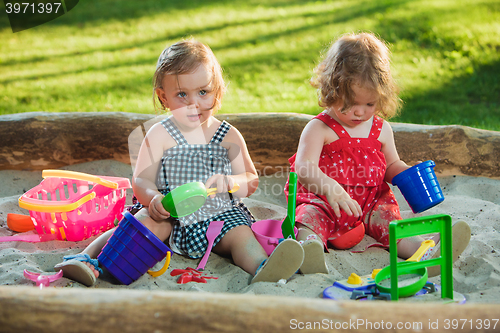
376	127
333	124
174	131
221	132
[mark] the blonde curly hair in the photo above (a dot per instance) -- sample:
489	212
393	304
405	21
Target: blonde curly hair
357	58
184	57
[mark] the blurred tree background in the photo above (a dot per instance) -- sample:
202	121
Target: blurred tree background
101	55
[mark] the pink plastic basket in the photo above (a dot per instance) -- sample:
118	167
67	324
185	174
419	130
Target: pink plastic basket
75	206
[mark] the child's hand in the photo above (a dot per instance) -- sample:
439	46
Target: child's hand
340	199
156	210
221	182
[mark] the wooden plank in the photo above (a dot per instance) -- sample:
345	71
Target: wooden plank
28	309
41	140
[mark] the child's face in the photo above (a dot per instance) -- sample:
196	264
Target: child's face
189	97
363	109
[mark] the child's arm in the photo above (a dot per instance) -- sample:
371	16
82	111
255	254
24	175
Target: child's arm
154	144
394	164
243	171
312	140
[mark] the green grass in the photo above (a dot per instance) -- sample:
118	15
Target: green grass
101	55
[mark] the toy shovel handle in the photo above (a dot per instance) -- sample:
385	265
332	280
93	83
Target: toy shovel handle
292	197
163	269
273	241
424	246
288	225
33	238
213	190
79	176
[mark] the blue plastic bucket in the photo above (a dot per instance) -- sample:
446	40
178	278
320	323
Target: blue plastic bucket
123	242
131	250
420	186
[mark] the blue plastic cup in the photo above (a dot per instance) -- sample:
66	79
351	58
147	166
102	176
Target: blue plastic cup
131	250
419	186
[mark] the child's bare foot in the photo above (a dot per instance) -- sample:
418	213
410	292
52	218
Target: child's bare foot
80	268
92	268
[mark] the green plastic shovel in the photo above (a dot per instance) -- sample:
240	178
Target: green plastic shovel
288	225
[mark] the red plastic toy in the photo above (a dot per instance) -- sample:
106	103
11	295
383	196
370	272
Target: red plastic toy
190	275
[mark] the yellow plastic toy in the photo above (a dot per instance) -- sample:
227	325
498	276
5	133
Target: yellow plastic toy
354	279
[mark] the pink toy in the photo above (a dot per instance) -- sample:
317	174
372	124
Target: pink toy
74	205
268	234
42	280
214	229
34	238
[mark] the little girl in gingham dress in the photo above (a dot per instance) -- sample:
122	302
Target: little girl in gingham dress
193	146
187	163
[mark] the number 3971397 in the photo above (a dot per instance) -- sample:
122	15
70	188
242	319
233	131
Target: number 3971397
32	8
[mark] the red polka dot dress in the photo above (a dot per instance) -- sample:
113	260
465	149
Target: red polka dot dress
359	165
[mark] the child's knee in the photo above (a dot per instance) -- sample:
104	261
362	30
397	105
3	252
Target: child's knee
385	213
161	229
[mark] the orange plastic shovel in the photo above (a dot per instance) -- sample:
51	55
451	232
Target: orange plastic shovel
19	222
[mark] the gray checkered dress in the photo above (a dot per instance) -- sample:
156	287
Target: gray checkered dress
187	163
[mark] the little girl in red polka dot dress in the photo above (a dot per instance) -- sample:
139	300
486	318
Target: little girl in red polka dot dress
346	154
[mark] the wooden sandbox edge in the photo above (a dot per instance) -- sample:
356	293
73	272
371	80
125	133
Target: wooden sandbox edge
43	140
29	309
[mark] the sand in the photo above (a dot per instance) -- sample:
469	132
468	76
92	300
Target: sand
476	273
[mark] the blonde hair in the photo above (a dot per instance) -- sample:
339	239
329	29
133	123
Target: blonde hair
357	58
184	57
